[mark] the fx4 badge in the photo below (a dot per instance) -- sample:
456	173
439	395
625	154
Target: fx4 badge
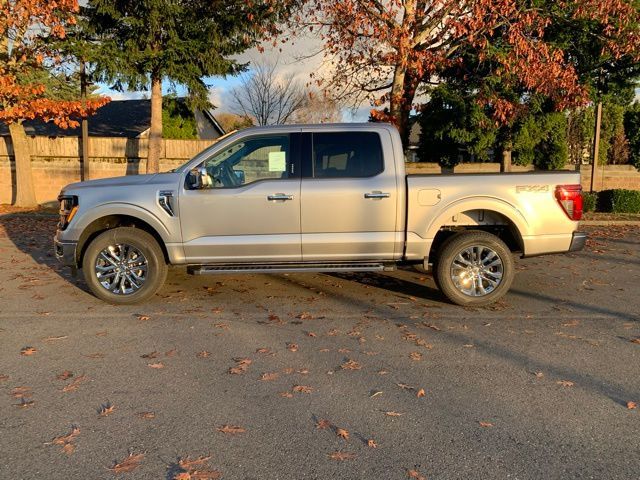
532	188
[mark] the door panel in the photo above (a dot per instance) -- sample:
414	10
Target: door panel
245	205
344	216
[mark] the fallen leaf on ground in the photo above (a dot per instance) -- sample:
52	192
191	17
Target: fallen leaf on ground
106	409
153	354
66	440
196	469
382	372
632	405
268	377
203	354
128	464
415	474
4	378
156	365
143	318
485	424
393	414
420	393
302	389
338	455
231	429
351	365
323	424
171	353
375	394
263	350
147	415
64	375
21	392
286	394
54	339
341	432
73	386
636	340
242	364
24	403
372	443
292	347
311	334
565	383
415	356
28	351
539	374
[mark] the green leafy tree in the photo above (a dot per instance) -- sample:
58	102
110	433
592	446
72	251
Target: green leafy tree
632	129
144	42
178	120
454	127
541	139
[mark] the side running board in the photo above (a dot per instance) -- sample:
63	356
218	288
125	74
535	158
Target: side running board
289	268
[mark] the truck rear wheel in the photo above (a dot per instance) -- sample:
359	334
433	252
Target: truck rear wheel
124	266
474	268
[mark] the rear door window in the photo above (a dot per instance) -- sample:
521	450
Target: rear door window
346	155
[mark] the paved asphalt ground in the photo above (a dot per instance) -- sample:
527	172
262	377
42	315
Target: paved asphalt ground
535	387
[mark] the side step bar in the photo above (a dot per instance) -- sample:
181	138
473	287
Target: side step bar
290	268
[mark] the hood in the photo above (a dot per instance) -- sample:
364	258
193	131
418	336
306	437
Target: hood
127	181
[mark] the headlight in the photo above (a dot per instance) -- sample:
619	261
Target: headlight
68	209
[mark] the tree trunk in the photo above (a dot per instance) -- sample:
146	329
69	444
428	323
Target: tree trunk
84	172
396	110
155	133
25	192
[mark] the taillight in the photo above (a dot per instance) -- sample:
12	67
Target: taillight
570	199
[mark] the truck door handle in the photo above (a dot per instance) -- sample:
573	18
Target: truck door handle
279	196
377	195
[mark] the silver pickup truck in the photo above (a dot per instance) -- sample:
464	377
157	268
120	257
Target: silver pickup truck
315	198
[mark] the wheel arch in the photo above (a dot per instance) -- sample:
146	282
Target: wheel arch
109	222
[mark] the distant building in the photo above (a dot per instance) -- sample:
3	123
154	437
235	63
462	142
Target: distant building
121	118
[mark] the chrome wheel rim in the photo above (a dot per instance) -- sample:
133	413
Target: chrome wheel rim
121	269
477	271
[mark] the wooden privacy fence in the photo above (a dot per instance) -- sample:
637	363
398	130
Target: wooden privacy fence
106	148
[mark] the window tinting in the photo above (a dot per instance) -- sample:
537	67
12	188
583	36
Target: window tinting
348	154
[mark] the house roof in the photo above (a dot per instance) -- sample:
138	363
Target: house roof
119	118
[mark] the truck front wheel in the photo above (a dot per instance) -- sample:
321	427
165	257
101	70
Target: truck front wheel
474	268
124	266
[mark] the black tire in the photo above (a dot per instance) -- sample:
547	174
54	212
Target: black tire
474	272
144	247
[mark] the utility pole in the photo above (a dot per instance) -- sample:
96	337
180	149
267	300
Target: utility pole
596	143
84	174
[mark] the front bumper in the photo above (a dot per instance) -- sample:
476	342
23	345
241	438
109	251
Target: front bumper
65	252
578	241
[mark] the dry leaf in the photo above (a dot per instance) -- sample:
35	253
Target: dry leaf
156	365
485	424
341	432
268	377
68	448
28	351
344	350
420	393
54	339
372	443
128	464
338	455
66	440
24	403
286	394
4	378
382	372
64	375
415	474
171	353
242	364
415	356
351	365
302	389
21	392
323	424
292	347
73	386
106	409
636	340
565	383
231	429
375	394
632	405
539	374
203	354
191	470
393	414
142	318
147	415
153	354
263	350
311	334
